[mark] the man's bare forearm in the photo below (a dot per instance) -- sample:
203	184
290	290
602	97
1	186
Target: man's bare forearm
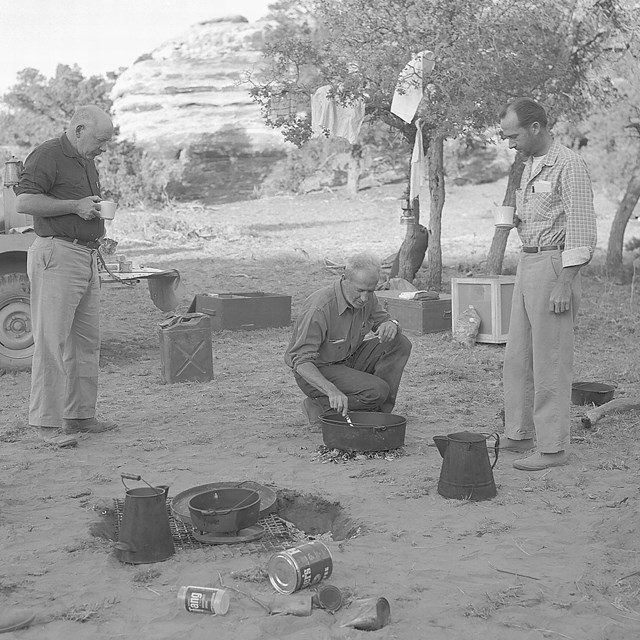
39	205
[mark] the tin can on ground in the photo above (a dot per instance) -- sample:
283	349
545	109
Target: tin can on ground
300	567
328	597
373	614
204	600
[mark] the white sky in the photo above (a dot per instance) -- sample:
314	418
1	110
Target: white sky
99	35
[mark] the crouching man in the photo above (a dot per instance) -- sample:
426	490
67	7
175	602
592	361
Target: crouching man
333	364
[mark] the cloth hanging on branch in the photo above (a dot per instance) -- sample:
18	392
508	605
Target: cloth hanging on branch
328	114
409	88
417	162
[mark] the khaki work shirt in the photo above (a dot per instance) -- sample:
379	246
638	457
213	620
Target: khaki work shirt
329	330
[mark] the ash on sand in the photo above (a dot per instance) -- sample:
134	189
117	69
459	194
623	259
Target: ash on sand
326	454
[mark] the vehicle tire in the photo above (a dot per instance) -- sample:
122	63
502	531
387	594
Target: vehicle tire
16	339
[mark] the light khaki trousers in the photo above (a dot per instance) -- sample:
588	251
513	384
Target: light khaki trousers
65	317
538	363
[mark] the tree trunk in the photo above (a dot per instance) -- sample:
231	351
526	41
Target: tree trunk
413	248
500	236
620	220
354	169
410	257
435	163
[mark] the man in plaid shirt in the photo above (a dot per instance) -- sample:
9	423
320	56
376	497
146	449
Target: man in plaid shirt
556	222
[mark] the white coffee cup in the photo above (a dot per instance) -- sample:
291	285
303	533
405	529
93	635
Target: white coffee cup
107	209
503	216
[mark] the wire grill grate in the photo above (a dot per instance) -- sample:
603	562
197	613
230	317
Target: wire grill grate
278	534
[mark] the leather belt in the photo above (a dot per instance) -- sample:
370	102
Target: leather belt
90	244
549	247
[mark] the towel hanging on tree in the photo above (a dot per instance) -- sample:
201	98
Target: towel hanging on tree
330	117
409	88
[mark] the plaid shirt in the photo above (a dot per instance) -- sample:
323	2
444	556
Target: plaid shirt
555	205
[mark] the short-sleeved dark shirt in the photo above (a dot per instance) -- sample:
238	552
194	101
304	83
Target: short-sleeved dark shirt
56	170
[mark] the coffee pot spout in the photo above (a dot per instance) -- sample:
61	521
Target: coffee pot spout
442	442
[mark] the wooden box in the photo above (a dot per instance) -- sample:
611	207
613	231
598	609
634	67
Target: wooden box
491	296
418	317
256	310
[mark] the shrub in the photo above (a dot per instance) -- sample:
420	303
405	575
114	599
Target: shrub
132	177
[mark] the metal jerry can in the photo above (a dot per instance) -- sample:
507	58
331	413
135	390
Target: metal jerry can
185	348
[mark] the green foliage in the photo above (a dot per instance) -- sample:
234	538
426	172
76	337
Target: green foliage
613	130
486	52
632	245
39	109
131	177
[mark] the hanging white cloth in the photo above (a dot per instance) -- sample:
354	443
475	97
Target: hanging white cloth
328	115
409	88
417	163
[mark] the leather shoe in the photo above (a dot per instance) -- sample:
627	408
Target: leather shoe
87	425
515	446
52	435
541	461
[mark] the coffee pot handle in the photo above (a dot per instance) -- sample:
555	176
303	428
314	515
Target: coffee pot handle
496	449
133	476
496	446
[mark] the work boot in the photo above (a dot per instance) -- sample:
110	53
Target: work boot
53	436
87	425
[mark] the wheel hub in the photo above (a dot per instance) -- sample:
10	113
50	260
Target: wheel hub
15	325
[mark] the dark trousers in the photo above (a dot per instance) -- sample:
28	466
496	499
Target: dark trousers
369	378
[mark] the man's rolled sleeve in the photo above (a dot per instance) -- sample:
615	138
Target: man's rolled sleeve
581	230
38	175
310	332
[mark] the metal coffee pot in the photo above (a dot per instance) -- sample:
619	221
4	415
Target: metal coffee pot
466	473
145	534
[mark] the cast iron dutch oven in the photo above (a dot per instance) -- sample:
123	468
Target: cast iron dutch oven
369	431
591	393
224	510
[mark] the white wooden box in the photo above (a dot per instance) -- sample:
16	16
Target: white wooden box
491	296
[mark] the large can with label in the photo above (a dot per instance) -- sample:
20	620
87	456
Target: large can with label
300	567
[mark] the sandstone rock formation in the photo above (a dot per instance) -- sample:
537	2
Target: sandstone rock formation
184	102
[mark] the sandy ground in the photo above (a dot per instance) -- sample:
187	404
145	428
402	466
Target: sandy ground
554	555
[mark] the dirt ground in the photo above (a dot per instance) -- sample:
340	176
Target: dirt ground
554	555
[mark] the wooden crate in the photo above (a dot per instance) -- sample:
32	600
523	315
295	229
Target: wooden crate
418	317
491	296
256	310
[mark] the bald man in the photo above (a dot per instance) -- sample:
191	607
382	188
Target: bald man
333	364
60	188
